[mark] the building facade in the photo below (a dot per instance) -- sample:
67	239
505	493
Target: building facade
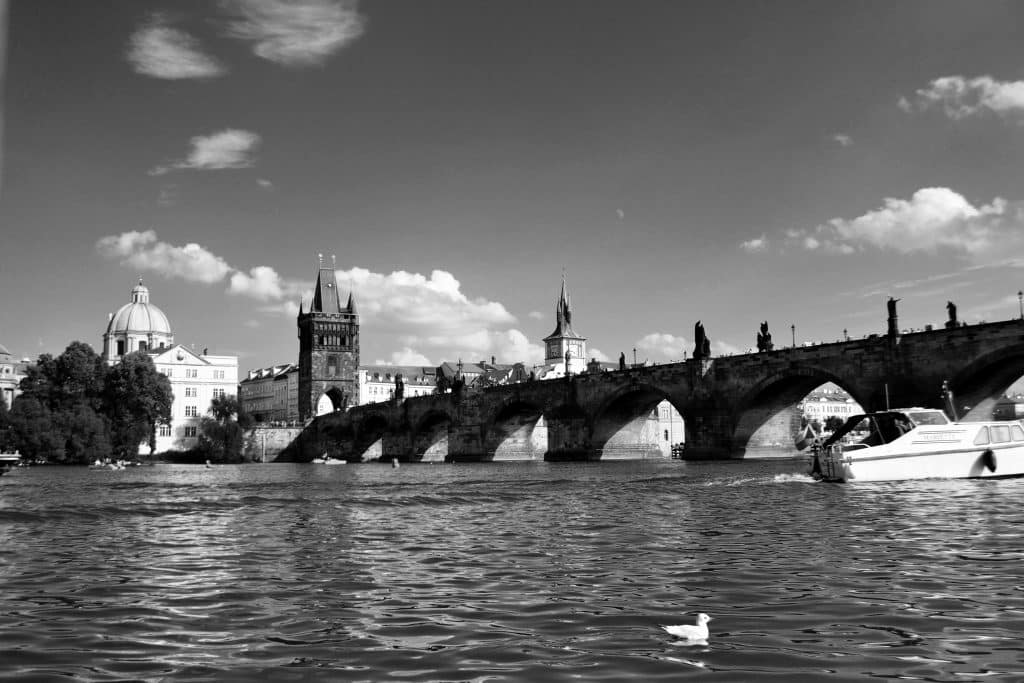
377	382
328	349
11	373
271	394
196	378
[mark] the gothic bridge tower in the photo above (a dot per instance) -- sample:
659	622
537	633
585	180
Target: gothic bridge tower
328	349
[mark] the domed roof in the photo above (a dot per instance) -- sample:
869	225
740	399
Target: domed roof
139	316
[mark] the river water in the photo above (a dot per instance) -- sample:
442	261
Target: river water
506	572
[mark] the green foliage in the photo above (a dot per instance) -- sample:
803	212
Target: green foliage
34	430
74	409
57	417
220	434
136	399
833	422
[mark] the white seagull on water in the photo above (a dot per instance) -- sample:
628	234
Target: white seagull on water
688	632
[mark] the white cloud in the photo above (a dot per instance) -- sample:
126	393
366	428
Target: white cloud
660	347
961	97
265	184
229	148
261	283
295	32
142	251
755	245
160	51
406	356
421	316
842	139
598	354
933	218
536	315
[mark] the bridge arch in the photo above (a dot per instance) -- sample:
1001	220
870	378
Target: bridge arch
625	425
368	437
979	385
518	431
430	436
764	416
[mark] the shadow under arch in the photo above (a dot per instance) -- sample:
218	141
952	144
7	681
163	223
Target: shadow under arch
368	438
766	416
979	386
430	437
518	431
626	425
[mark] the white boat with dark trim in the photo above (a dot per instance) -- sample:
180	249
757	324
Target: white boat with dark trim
919	443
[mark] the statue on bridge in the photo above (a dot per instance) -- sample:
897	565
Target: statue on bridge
951	310
893	324
701	343
399	387
622	361
764	338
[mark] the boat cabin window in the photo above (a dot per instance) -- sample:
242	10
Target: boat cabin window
1000	434
874	429
928	417
982	438
1017	433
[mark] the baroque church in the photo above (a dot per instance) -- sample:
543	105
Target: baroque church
196	378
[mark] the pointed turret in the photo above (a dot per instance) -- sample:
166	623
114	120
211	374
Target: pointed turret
564	345
352	303
563	315
325	293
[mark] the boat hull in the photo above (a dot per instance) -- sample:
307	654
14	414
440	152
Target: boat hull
966	463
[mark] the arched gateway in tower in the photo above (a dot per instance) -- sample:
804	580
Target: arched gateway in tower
328	349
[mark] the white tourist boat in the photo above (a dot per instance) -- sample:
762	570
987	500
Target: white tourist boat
919	443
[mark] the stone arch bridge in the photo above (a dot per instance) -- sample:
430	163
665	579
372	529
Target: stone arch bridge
724	401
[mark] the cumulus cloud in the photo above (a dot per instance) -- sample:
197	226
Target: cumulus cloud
160	51
960	97
229	148
755	245
933	218
142	251
661	347
842	139
295	32
261	282
423	317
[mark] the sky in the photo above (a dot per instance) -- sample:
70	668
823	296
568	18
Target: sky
722	161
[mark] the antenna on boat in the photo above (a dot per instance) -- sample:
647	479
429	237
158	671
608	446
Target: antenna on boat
947	398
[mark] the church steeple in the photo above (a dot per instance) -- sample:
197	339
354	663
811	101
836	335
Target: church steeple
564	343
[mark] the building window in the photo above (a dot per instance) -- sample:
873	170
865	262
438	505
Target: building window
120	347
219	393
191	372
143	346
191	411
218	374
191	392
332	366
190	431
164	430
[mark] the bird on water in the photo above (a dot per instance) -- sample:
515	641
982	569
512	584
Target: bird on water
691	632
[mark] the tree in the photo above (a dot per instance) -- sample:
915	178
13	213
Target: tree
34	431
57	416
221	435
833	422
137	398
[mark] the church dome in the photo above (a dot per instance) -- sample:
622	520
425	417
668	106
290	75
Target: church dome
139	316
